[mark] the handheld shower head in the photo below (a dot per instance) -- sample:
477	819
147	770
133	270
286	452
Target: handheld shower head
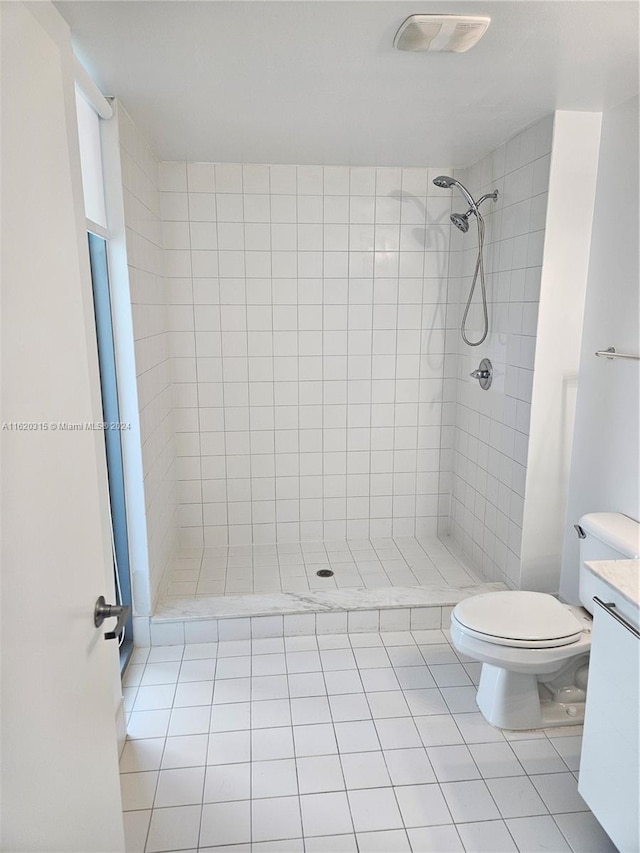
461	221
446	182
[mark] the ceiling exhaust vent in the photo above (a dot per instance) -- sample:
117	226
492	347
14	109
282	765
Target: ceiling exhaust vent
436	33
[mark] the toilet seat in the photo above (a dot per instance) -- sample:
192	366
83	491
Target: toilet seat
518	619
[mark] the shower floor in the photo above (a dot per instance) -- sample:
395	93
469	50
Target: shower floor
293	567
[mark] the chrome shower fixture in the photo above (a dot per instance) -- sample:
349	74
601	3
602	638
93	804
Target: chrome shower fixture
461	221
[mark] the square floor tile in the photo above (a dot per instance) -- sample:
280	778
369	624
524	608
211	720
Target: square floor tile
438	730
533	834
269	687
270	713
469	801
326	814
438	653
371	658
140	755
305	643
234	716
349	707
405	656
225	823
155	697
237	667
409	766
229	747
460	700
346	681
414	677
491	836
274	778
287	845
495	760
181	787
475	729
275	818
337	659
365	770
398	733
310	709
160	673
232	690
435	839
449	674
148	724
227	782
389	703
303	661
193	693
174	829
190	721
138	790
307	684
315	740
203	669
452	763
384	841
358	736
320	774
374	809
538	756
331	844
559	792
584	833
425	702
268	664
422	805
136	826
271	744
569	749
516	797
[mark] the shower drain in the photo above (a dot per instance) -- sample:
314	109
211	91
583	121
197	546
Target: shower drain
325	573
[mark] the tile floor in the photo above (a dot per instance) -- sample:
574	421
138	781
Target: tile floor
360	743
292	567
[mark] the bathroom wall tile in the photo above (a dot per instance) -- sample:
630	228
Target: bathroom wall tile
292	257
491	429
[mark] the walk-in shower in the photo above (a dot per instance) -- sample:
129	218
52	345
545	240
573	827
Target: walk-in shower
461	221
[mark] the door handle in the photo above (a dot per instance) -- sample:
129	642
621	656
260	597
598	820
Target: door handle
106	611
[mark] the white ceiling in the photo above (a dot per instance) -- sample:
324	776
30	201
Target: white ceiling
319	82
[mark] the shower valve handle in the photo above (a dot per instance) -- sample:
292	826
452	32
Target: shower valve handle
107	611
484	374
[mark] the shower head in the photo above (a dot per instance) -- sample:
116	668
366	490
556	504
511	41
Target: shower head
461	221
446	182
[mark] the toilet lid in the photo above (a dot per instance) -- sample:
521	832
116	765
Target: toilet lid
519	616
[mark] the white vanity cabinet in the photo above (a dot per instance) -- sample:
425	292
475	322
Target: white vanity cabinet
610	765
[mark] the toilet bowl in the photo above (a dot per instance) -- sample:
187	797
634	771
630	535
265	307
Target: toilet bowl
534	649
534	652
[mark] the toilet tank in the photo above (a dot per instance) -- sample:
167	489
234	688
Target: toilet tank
605	536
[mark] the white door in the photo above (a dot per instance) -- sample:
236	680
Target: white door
60	789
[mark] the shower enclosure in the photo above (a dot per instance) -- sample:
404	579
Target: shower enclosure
322	415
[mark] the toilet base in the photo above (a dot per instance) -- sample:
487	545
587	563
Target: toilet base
515	700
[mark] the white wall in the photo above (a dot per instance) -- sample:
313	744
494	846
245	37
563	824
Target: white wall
572	186
605	473
148	295
491	427
307	326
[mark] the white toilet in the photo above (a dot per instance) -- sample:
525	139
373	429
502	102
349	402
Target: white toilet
534	650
